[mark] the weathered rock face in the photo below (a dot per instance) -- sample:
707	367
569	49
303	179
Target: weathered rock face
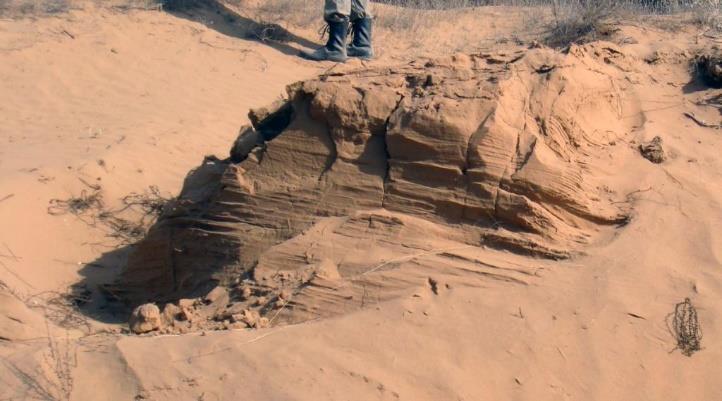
376	165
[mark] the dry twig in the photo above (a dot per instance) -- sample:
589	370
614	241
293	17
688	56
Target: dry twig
701	122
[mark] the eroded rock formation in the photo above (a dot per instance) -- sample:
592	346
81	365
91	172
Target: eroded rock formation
378	178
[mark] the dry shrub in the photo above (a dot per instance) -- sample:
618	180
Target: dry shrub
578	20
572	19
683	324
406	19
708	13
33	7
144	209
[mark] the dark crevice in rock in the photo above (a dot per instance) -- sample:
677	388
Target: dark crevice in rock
467	162
479	132
270	123
525	155
387	156
331	160
267	124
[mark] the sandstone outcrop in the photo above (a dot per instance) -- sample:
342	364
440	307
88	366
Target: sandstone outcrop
478	166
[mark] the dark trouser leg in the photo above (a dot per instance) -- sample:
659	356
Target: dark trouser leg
359	10
362	22
335	9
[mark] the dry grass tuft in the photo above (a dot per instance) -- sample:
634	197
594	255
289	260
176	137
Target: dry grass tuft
22	8
580	20
88	199
143	208
708	13
684	325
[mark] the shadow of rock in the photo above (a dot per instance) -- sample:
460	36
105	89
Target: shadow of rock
694	85
101	304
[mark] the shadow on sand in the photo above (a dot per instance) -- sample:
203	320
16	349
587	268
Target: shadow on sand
101	305
97	276
218	17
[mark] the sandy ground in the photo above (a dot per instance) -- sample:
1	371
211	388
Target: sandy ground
134	99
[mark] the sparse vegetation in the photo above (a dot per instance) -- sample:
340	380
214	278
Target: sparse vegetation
684	325
566	21
32	7
90	208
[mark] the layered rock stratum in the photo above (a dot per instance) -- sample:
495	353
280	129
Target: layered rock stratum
466	170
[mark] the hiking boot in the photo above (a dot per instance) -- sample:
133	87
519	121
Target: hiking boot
335	49
361	44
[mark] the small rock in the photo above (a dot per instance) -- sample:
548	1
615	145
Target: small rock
186	314
228	312
285	295
261	114
655	58
327	269
186	303
249	317
246	141
170	313
246	292
218	295
653	150
237	318
145	318
237	325
461	60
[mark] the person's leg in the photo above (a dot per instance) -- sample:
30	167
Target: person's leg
336	9
336	13
362	22
360	9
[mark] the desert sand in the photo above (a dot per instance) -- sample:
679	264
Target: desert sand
468	217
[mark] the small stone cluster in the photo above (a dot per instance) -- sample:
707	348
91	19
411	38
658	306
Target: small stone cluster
244	306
